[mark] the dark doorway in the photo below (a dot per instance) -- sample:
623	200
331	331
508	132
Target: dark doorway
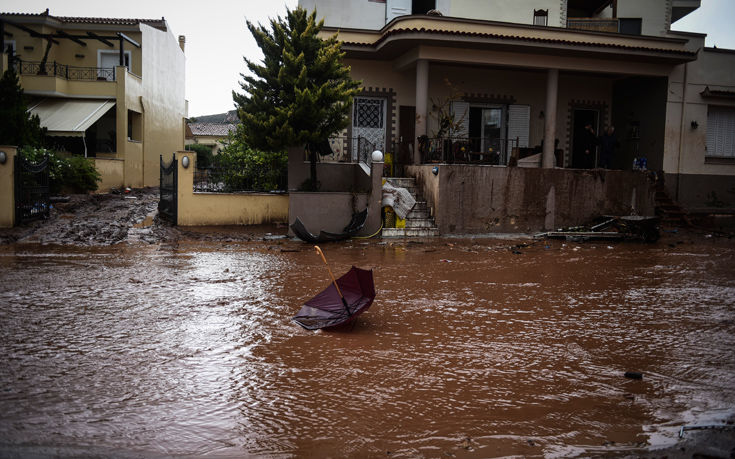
406	138
422	6
581	139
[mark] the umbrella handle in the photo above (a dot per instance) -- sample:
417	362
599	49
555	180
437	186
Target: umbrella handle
324	259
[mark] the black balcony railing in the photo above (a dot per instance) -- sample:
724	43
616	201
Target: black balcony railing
67	72
482	150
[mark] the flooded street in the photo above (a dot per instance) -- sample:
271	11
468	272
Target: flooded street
472	348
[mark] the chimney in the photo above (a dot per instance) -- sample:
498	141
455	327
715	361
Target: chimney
182	42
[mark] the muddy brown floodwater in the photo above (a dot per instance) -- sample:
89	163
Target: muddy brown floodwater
473	348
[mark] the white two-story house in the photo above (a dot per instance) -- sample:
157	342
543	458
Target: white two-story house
470	81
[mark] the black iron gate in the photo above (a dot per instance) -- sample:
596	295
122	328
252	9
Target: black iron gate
168	204
31	189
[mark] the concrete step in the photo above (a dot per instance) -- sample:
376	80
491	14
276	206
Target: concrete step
410	232
402	182
419	223
419	213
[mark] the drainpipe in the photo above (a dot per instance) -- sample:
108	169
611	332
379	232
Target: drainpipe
681	132
422	96
552	92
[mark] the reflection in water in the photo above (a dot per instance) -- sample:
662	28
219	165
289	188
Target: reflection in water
469	349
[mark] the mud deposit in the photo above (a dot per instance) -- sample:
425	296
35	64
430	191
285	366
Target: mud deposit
473	348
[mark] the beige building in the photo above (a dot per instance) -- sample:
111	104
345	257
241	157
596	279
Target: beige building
499	74
107	88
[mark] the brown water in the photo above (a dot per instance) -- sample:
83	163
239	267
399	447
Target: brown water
469	349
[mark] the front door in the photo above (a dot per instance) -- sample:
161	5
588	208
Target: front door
368	122
492	134
580	138
407	136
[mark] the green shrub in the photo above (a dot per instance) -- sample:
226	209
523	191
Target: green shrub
204	154
239	167
73	174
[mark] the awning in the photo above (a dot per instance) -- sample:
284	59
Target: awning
70	117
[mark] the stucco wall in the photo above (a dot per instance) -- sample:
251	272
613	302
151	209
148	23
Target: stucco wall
163	102
487	199
518	11
656	14
202	209
332	211
332	177
112	172
691	176
348	13
7	188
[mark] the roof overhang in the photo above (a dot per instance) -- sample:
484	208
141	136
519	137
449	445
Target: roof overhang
406	33
70	117
680	8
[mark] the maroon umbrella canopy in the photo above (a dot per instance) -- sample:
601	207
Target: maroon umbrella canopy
327	309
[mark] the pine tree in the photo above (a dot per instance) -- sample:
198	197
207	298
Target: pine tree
18	127
301	93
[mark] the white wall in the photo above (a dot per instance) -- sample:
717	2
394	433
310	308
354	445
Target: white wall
656	14
517	11
353	14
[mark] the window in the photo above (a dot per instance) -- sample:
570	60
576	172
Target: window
422	6
135	126
630	26
107	61
721	132
369	113
541	17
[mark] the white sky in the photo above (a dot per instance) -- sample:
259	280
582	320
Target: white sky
217	38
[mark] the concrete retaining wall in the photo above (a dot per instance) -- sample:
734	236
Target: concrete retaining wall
112	172
487	199
203	209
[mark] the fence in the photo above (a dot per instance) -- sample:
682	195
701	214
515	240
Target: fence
31	189
229	180
482	150
168	204
68	72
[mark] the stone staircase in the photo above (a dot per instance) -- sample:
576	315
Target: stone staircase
668	210
419	222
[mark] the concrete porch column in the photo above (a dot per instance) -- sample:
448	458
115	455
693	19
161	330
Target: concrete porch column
552	92
422	98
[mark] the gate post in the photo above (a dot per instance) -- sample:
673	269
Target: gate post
7	187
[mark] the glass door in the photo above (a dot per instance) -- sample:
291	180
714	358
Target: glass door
492	135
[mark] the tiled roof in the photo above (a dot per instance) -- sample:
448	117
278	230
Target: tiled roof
707	92
157	23
213	129
510	36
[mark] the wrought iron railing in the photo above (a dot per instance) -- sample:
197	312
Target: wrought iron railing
228	180
480	150
68	72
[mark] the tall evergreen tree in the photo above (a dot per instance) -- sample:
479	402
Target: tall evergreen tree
301	93
18	127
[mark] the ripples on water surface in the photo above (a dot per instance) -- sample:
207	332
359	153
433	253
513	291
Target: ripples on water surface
469	349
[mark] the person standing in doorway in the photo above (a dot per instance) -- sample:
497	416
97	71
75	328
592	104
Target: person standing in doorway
589	143
608	143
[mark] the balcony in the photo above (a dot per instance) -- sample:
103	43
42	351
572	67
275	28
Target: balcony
67	72
67	80
593	24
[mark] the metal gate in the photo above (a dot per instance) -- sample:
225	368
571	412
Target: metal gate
168	204
31	189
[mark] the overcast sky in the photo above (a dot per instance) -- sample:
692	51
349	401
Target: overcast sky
217	39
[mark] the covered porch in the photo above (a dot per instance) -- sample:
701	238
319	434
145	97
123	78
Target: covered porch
448	90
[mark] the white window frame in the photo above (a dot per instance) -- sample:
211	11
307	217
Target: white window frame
128	57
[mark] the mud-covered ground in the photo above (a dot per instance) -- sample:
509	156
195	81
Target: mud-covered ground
113	218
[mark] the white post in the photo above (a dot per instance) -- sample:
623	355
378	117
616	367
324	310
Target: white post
422	98
552	92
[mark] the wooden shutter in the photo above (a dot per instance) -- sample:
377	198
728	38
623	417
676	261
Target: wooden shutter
519	117
461	112
395	8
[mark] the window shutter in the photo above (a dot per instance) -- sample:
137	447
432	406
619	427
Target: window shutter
721	132
395	8
519	117
461	112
